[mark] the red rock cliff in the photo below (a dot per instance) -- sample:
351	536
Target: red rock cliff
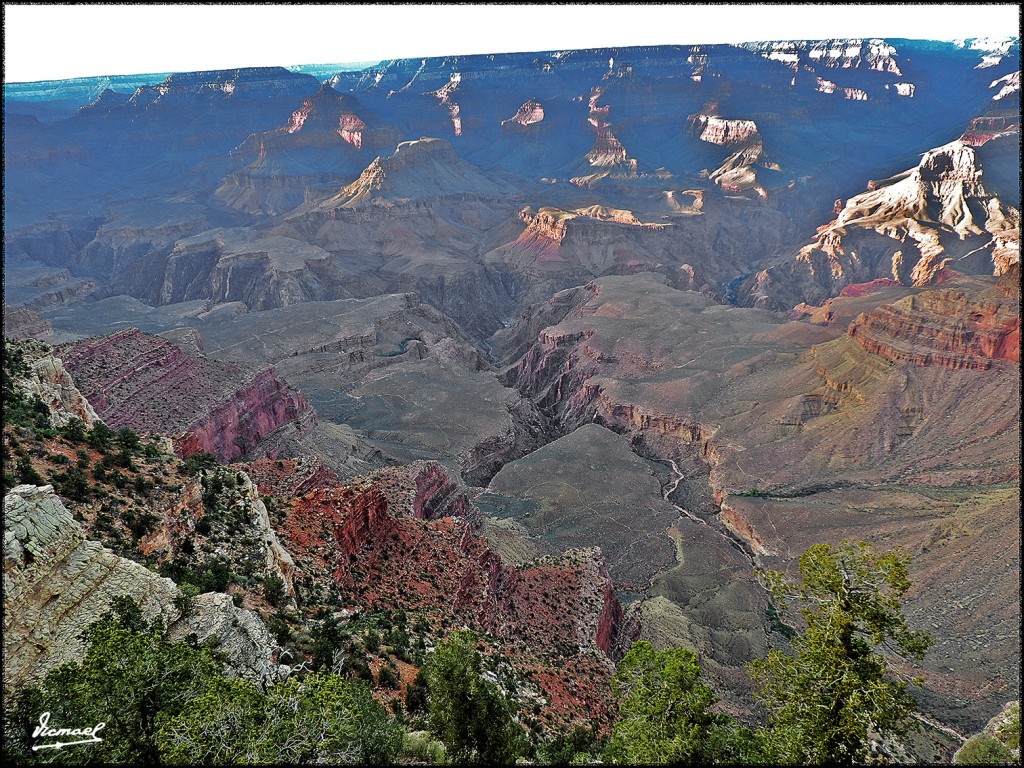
949	328
150	385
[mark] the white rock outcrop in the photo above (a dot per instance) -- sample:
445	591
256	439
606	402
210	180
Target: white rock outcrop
56	583
54	386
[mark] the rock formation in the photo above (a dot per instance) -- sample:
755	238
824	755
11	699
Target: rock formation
1008	85
417	169
991	126
150	385
226	265
907	227
530	113
550	342
608	155
56	582
445	100
951	327
871	54
24	323
738	172
50	382
773	426
370	539
322	139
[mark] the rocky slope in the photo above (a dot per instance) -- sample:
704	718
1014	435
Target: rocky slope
56	582
24	323
405	538
417	169
951	328
324	138
786	433
151	385
346	538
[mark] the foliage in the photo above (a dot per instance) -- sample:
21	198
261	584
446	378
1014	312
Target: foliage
418	748
72	484
128	440
21	712
133	679
467	713
1007	728
186	601
825	699
274	589
998	744
200	461
983	749
167	702
416	695
579	745
212	575
100	436
665	714
19	408
73	431
318	719
27	472
327	636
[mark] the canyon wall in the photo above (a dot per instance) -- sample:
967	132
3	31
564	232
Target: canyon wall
150	385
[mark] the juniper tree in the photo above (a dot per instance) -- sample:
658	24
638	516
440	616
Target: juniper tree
666	715
467	712
839	686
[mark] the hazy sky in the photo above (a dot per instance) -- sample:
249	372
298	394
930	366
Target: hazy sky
43	42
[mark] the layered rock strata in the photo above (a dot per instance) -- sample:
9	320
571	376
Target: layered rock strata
951	328
25	323
148	384
56	583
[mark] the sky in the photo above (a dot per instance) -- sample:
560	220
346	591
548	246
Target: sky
48	42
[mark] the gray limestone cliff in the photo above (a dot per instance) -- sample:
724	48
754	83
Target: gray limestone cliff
49	380
56	583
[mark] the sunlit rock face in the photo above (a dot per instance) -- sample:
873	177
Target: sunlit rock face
738	173
530	113
875	54
908	227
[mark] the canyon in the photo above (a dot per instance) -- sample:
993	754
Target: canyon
566	347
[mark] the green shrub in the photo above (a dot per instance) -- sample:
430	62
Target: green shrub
274	589
418	747
73	431
100	436
199	461
983	750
